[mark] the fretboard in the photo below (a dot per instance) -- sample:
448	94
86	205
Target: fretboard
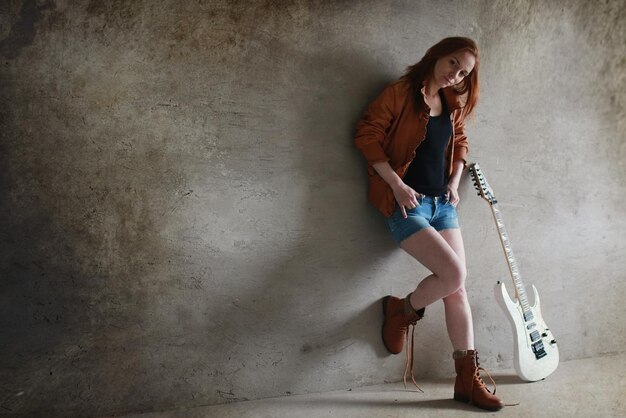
508	251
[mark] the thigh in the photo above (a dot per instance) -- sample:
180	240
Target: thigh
455	240
430	248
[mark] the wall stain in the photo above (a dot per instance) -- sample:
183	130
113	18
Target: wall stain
23	31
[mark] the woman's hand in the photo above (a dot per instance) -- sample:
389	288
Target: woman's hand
406	197
453	195
453	183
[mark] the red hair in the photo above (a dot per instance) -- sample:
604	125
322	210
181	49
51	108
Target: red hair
469	87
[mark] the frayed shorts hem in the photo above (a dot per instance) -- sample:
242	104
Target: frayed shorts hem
432	212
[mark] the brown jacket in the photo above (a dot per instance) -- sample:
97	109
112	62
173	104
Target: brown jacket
391	130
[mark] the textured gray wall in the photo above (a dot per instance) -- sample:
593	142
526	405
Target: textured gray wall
183	215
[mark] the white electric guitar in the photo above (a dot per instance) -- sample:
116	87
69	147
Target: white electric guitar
536	353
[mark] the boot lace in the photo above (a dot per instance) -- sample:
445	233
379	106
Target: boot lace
409	356
478	380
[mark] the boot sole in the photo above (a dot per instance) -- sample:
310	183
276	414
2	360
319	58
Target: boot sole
382	330
464	399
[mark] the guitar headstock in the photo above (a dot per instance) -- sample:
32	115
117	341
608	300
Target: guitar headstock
480	183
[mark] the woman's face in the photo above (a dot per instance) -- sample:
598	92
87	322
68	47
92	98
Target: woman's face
453	68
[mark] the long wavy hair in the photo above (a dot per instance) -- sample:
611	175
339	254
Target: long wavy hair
469	87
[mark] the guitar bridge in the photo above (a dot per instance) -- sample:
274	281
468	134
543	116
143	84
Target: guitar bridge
538	349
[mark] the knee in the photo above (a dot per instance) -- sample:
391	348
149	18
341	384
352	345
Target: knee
457	297
455	278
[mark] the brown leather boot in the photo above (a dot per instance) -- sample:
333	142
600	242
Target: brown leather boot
469	386
399	314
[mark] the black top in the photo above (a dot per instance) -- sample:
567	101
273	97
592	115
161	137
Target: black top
427	173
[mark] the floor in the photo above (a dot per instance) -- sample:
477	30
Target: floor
581	388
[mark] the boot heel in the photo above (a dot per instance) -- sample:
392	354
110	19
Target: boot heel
461	398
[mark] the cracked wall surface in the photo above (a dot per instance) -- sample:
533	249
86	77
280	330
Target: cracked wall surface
183	216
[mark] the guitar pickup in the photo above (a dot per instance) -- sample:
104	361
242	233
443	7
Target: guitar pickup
534	336
531	326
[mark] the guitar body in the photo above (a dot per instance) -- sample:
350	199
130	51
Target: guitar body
536	354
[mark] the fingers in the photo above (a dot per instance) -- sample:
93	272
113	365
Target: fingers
452	197
412	204
407	198
454	200
415	199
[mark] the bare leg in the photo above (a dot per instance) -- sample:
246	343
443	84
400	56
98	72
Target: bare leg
457	308
433	251
444	255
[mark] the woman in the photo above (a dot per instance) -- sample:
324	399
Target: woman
413	138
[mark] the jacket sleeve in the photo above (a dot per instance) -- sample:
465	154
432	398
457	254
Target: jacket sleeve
461	146
373	127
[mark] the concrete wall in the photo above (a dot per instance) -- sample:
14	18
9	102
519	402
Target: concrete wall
183	215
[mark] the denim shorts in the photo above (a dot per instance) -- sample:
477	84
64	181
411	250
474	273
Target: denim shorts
437	212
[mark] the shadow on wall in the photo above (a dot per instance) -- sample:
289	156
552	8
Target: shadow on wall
341	237
345	239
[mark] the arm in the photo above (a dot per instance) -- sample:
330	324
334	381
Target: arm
371	133
453	183
460	155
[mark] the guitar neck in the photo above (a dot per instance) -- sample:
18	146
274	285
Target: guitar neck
510	258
